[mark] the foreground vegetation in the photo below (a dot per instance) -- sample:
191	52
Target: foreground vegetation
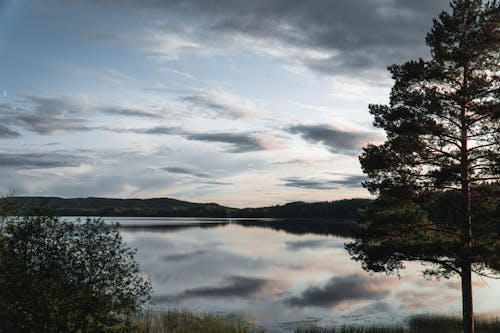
175	321
66	276
180	321
416	324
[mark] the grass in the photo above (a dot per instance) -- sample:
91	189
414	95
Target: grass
352	329
451	324
181	321
416	324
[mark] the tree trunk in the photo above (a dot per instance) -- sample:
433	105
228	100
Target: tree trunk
467	308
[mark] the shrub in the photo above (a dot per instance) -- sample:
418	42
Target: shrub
62	276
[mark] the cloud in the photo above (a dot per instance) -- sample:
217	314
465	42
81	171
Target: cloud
130	112
351	180
45	115
323	184
60	115
315	184
116	76
7	133
236	286
215	182
239	142
331	37
39	160
157	130
186	171
202	177
337	140
221	104
338	289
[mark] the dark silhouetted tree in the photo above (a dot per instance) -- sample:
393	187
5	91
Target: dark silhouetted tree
441	161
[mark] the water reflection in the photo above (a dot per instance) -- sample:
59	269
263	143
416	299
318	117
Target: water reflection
279	276
293	226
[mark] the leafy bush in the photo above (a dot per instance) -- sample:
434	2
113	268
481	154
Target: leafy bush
63	276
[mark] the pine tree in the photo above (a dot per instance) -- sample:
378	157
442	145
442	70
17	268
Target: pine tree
443	140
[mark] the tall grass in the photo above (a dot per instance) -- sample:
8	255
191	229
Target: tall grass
352	329
181	321
451	324
416	324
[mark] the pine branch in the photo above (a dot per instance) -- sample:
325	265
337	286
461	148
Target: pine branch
444	153
484	179
482	146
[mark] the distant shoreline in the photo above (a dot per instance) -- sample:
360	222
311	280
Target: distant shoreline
167	207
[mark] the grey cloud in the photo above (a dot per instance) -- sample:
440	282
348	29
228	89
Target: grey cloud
309	183
203	177
158	130
351	181
131	112
7	133
323	184
52	115
214	182
354	35
240	142
38	160
339	289
45	115
336	140
211	103
186	171
236	286
101	181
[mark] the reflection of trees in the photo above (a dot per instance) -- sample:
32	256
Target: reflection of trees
304	226
173	226
292	226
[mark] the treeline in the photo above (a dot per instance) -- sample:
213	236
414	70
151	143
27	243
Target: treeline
166	207
340	209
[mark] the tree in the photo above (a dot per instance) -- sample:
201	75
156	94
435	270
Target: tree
63	276
443	141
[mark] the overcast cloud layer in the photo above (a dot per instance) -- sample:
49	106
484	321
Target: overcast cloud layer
244	103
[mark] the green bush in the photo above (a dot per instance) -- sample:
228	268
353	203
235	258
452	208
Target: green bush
63	276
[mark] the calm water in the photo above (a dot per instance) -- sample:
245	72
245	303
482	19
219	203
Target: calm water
279	279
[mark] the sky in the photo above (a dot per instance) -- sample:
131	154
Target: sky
243	103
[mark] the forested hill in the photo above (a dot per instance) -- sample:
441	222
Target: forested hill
341	209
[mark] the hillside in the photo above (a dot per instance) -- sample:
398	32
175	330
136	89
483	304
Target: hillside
167	207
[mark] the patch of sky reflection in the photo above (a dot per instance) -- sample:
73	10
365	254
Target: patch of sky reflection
281	280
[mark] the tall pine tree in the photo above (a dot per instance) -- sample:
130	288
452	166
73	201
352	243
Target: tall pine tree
443	143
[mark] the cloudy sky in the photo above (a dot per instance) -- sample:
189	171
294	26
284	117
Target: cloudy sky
239	102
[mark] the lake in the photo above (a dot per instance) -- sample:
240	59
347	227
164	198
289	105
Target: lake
280	277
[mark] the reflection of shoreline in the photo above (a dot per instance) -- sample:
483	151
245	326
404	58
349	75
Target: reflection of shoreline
171	226
292	226
305	226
